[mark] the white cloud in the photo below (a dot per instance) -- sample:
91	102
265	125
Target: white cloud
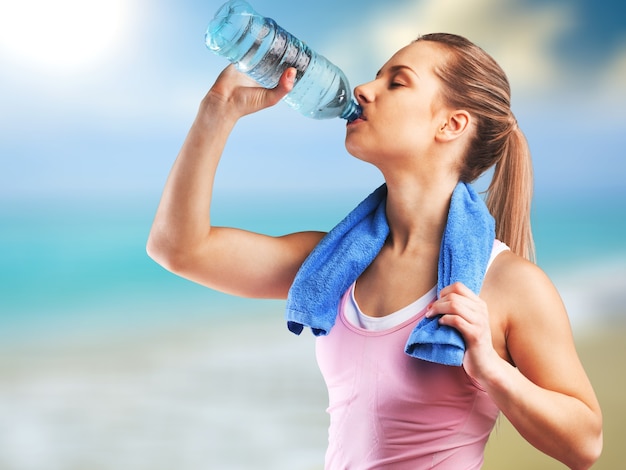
520	37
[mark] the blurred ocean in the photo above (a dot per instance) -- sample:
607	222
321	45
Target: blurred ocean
77	267
108	362
70	266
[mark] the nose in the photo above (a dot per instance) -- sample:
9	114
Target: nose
364	93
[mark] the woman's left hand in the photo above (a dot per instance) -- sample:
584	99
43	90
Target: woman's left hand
546	392
463	310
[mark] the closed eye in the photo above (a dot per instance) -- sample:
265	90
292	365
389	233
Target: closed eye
399	80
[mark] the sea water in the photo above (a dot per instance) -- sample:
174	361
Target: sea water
73	266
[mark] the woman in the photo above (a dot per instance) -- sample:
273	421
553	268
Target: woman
437	113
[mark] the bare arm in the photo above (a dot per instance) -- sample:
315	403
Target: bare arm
548	398
546	394
182	238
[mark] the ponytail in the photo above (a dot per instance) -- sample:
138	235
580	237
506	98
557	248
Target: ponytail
473	80
510	194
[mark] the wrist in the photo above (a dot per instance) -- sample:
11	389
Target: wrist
493	373
215	109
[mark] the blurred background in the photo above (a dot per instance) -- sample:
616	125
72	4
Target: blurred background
107	361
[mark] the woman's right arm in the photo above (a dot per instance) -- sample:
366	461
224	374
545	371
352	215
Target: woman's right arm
182	238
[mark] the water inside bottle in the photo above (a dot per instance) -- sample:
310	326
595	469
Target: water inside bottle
263	50
228	27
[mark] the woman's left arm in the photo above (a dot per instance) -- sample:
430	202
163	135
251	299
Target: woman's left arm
546	394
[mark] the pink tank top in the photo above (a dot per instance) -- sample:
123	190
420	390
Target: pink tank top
389	410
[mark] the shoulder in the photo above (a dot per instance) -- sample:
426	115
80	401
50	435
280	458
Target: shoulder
522	288
529	306
514	275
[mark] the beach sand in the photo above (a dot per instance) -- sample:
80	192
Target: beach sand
236	394
602	352
239	393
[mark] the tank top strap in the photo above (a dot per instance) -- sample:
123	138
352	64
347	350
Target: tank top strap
498	247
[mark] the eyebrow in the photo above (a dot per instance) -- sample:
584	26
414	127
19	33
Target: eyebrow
397	68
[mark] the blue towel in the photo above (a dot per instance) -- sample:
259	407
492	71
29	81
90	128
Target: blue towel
349	248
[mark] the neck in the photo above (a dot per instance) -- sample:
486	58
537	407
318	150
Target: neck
417	213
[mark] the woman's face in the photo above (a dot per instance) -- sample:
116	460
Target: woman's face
402	109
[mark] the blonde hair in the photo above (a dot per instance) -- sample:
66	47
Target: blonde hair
472	80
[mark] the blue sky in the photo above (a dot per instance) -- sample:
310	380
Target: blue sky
96	97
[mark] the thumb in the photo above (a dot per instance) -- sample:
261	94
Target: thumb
261	98
286	83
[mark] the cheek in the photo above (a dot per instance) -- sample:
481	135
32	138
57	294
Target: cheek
387	137
403	137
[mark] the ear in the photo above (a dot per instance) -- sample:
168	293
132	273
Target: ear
457	123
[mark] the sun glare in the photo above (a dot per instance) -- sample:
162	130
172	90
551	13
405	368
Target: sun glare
61	34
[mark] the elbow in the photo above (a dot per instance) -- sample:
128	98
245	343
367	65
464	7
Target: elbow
158	251
589	453
594	450
595	442
166	253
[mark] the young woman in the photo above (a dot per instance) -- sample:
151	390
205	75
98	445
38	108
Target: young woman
438	112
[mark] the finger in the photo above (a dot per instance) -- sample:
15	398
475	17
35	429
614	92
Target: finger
456	304
452	303
458	288
471	330
453	321
231	74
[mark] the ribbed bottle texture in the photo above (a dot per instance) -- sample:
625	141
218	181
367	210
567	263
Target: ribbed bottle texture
263	50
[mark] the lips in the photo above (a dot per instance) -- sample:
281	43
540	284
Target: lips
361	118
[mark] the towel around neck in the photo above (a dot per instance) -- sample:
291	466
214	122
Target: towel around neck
349	248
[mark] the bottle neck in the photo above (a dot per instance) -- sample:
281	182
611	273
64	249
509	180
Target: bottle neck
352	111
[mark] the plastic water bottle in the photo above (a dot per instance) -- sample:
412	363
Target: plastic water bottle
263	50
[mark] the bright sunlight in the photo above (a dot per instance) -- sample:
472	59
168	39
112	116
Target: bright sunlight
61	35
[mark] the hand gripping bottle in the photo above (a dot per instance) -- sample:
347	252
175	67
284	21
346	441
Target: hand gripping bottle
263	50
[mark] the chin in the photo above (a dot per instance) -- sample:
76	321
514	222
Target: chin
355	151
360	150
354	147
359	154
